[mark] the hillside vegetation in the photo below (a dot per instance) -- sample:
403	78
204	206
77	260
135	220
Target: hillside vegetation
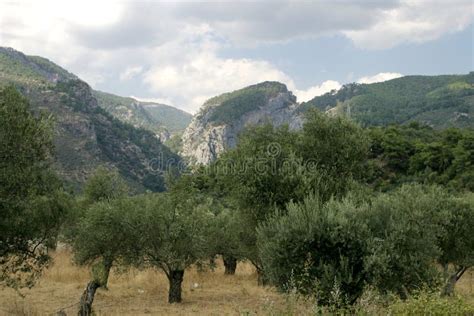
228	107
155	117
438	101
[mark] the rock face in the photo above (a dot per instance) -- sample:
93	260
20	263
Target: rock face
217	126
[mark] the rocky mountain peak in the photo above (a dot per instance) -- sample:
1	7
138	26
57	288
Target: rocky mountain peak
216	127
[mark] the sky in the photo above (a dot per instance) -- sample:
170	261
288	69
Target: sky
183	52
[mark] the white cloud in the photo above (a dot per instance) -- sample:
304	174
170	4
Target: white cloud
308	94
380	77
200	73
414	22
130	72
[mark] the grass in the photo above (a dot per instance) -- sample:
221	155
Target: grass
143	293
135	292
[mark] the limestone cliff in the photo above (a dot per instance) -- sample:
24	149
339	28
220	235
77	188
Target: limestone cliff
217	126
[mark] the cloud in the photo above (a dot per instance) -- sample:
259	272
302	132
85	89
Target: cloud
192	77
308	94
414	22
130	72
369	24
254	22
380	77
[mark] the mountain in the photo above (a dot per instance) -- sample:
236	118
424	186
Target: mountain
439	101
217	125
85	135
161	119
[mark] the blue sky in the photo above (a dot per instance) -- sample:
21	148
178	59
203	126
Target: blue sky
337	58
182	53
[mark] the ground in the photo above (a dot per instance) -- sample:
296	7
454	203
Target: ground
142	293
145	293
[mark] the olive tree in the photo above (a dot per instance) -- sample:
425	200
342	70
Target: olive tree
226	231
104	185
175	230
405	226
457	242
93	228
316	248
107	234
32	202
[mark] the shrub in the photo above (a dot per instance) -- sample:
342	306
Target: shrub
431	304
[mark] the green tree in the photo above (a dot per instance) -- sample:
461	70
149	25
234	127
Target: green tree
405	226
175	233
32	203
104	185
225	238
106	235
457	243
94	227
317	249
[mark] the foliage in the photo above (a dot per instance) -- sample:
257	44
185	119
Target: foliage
335	145
32	203
174	235
317	249
104	185
108	231
457	244
100	228
226	233
415	152
175	143
405	226
174	232
426	303
173	119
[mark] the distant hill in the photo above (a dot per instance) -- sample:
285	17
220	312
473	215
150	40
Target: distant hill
439	101
156	117
86	135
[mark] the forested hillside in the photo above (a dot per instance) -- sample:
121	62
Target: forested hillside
437	101
156	117
85	135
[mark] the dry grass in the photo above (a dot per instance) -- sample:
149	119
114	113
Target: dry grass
465	286
145	293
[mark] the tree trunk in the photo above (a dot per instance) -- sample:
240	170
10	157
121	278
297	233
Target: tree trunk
230	264
101	272
261	279
448	289
87	298
175	279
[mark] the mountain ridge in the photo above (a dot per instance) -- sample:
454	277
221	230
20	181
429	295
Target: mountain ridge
85	136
